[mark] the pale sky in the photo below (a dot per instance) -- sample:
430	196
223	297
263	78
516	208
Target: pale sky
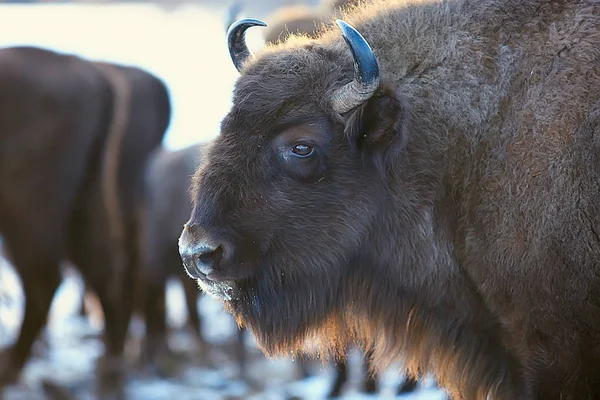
186	48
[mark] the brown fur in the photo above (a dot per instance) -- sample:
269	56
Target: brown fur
451	220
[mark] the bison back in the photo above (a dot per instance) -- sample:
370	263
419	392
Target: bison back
53	110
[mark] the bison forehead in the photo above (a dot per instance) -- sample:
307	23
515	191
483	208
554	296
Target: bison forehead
283	78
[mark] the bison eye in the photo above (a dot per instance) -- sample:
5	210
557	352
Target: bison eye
302	150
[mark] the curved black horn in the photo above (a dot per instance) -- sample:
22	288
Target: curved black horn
366	72
236	40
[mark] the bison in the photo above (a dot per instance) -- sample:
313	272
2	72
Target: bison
74	139
424	183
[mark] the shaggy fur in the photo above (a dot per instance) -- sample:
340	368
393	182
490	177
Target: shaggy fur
452	220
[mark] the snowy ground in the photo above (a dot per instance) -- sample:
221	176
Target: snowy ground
72	349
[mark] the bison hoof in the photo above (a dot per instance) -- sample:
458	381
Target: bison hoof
111	378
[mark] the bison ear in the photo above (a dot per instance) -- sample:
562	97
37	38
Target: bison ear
378	128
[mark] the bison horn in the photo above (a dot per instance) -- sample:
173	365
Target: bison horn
366	72
236	40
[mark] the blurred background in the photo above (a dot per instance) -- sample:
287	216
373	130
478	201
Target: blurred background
183	43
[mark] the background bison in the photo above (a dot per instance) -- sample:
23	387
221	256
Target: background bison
74	139
434	198
166	208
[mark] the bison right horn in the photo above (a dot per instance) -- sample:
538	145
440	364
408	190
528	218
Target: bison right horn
366	72
236	40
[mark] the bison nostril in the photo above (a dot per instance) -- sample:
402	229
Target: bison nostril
202	260
200	255
206	260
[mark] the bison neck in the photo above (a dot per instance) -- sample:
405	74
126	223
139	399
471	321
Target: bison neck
415	303
491	249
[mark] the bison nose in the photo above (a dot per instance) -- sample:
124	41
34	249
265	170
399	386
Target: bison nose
200	257
202	261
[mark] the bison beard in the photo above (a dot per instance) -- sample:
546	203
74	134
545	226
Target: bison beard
336	309
312	305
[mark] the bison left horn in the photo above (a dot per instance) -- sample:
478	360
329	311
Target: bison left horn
366	72
236	40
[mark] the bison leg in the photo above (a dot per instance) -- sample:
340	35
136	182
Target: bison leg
191	291
341	369
40	279
240	350
110	368
117	304
155	318
161	261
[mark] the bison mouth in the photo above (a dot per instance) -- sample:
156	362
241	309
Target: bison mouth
282	311
223	281
220	290
226	289
281	306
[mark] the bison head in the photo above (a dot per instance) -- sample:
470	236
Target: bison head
290	196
